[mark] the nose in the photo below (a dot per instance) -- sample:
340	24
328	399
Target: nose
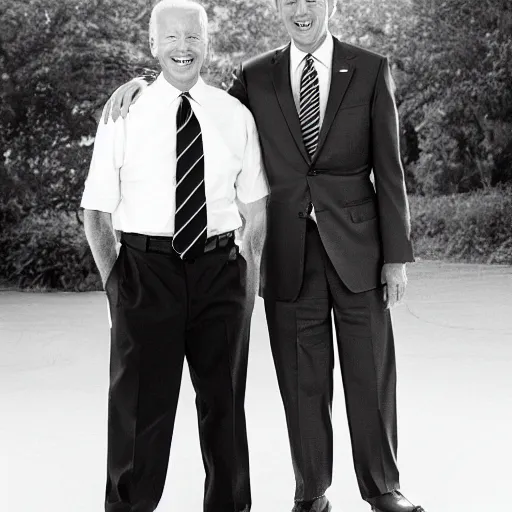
302	7
182	44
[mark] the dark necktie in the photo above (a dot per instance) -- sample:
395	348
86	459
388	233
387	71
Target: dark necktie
309	106
190	219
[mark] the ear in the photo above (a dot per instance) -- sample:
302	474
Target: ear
153	46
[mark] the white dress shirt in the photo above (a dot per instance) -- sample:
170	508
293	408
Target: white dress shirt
133	168
323	65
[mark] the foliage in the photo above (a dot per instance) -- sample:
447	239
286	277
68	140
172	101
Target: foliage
59	59
457	94
452	62
472	227
59	62
48	251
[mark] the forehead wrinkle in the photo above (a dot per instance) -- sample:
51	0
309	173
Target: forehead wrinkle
330	10
187	9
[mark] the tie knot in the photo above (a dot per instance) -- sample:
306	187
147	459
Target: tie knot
309	59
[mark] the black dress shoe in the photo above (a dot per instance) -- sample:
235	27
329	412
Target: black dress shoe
393	501
318	505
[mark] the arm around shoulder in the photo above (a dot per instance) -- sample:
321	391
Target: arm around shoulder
126	95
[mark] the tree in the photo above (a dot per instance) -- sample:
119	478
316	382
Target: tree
456	92
60	60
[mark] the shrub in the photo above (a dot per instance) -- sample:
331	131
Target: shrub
48	252
455	71
59	62
473	227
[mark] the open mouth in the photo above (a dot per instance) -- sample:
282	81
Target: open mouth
182	61
303	25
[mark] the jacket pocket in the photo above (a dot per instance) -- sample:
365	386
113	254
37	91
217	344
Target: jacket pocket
357	202
364	211
355	104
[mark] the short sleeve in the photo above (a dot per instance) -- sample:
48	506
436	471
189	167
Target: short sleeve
251	183
102	187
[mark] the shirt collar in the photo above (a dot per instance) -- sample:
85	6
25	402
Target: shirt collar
197	92
323	53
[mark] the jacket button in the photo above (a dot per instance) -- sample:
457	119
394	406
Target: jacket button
301	214
312	172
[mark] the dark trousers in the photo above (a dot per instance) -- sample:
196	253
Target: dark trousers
302	346
164	310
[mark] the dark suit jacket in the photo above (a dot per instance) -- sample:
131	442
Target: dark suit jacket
360	229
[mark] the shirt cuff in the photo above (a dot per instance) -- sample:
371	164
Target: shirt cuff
255	195
100	204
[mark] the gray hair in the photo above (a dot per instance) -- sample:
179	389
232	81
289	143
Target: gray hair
176	4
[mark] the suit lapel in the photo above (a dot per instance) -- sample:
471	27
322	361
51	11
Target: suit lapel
283	89
341	74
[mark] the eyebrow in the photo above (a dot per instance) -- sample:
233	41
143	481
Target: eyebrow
173	34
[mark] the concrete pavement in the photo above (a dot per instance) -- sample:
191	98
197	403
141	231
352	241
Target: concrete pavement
454	350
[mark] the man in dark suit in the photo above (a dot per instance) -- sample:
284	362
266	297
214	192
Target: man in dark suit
335	244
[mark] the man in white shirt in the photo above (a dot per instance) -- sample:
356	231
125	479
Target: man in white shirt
166	181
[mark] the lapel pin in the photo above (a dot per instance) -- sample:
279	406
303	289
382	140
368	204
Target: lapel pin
343	70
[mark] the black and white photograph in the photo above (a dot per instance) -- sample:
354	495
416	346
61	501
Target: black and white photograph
255	255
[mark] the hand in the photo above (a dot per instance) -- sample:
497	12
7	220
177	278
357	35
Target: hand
125	96
394	278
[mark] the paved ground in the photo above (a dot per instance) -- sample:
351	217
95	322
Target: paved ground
454	350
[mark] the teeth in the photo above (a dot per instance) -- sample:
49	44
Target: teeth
303	24
182	61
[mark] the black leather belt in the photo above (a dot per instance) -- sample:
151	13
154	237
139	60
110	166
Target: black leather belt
163	244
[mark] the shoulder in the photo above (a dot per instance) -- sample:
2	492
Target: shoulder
362	54
147	101
223	102
264	59
220	97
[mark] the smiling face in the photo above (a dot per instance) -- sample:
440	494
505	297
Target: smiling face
306	21
180	44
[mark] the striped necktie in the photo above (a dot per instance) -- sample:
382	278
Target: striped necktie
309	106
190	219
